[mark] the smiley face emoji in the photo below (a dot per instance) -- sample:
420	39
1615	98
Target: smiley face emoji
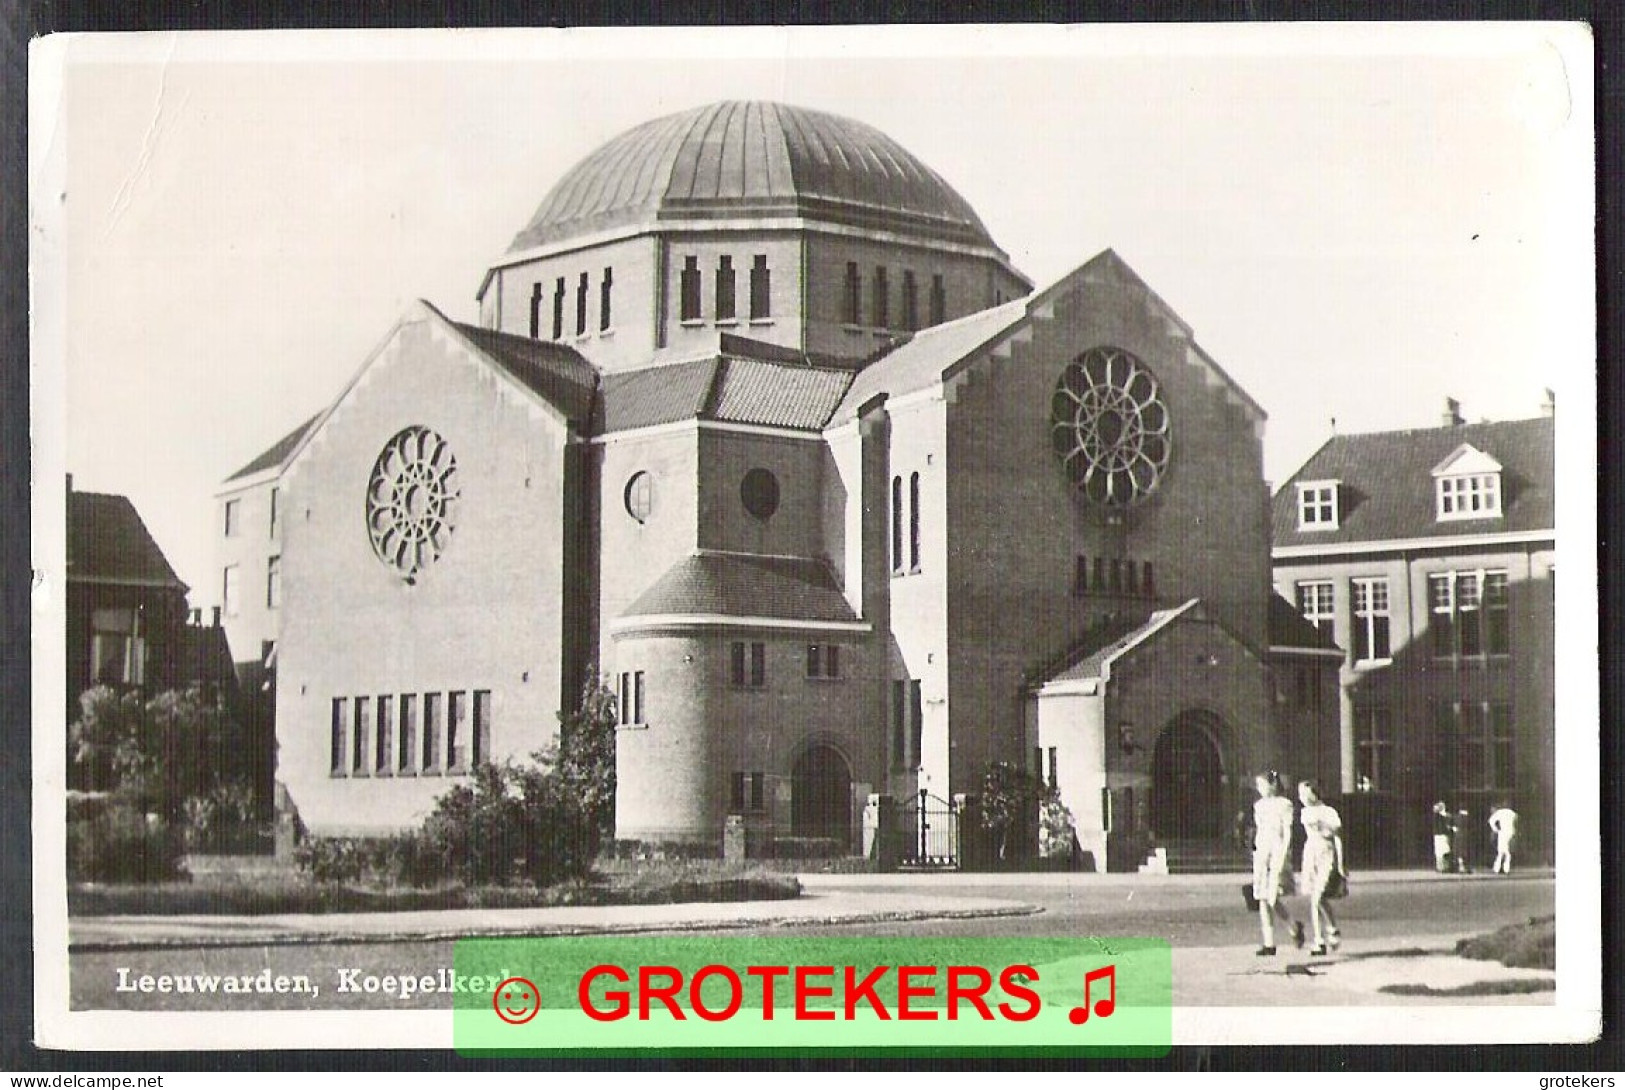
516	1000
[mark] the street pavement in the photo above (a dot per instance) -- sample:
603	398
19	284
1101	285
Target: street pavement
1401	929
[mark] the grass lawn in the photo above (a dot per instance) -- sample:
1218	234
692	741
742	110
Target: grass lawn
1530	945
260	892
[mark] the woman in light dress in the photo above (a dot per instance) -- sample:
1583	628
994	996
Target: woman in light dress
1322	858
1272	851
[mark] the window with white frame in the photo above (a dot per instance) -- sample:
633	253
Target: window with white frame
1371	620
1467	485
1469	613
1470	497
1317	505
1315	603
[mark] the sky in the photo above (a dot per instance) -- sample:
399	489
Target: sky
1357	222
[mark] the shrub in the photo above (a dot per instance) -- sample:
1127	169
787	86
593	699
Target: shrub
1010	805
511	821
224	819
111	840
383	861
1057	832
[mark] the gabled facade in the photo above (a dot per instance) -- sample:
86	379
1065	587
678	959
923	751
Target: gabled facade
1437	578
760	424
126	610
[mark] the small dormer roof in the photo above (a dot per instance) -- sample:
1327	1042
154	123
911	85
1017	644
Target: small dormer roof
1466	459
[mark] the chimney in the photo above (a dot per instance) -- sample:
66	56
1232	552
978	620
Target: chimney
217	616
1548	405
1452	417
197	617
70	476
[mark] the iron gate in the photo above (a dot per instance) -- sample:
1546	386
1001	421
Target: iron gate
930	832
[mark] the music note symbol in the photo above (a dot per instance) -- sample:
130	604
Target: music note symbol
1103	1007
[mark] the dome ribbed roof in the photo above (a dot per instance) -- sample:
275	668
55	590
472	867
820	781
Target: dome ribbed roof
747	159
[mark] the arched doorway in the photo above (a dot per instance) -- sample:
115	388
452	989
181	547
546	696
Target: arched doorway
1187	781
821	795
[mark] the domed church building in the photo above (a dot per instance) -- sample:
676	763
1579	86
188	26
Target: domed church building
760	423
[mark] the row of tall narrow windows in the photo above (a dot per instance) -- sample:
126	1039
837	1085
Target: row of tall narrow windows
724	296
1474	745
880	299
1113	575
561	298
411	734
1469	613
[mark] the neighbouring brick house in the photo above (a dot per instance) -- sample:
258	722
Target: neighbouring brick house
1430	556
759	420
126	609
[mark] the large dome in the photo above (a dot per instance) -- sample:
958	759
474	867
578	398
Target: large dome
755	159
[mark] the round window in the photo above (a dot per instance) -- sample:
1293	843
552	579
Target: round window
1109	427
640	496
759	492
411	498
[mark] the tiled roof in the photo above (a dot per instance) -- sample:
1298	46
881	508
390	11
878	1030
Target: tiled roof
555	372
729	388
108	543
278	453
745	586
656	395
1387	486
918	363
752	158
1288	628
1114	636
780	394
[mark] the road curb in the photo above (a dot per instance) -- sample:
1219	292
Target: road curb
341	938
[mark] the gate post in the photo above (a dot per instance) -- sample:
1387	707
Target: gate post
887	847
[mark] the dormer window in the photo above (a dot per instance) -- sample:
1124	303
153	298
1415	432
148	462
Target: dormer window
1467	485
1317	505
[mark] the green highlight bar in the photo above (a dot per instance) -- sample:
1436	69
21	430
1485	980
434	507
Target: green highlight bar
649	994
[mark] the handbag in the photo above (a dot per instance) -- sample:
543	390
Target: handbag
1247	896
1337	886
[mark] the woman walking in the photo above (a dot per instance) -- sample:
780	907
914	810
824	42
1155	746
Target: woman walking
1272	851
1322	864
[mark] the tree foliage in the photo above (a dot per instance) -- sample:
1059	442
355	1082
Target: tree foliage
1011	802
586	754
155	754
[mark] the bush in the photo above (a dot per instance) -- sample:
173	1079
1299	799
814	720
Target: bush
1057	833
225	819
381	861
111	840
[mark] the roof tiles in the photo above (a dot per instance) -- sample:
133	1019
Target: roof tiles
108	543
737	585
1387	489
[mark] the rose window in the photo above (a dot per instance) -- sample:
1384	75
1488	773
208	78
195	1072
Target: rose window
410	501
1109	427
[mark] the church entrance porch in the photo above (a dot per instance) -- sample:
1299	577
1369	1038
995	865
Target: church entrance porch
821	796
1187	780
